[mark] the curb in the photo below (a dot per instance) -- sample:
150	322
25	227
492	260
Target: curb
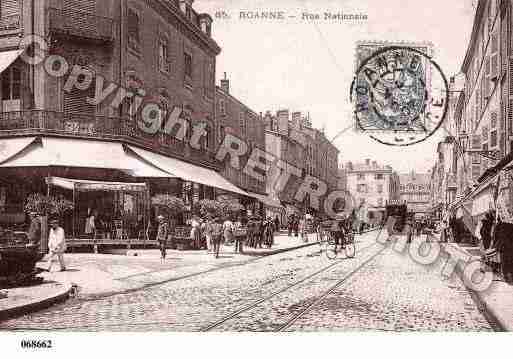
489	311
38	304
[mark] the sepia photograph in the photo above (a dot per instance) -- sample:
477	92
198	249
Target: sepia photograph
321	170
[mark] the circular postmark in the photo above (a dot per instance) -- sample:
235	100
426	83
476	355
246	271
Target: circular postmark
394	97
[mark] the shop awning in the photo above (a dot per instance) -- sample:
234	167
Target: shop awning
10	147
8	57
188	171
267	200
67	152
86	185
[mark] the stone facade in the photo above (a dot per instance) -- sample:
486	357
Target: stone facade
415	191
238	119
372	185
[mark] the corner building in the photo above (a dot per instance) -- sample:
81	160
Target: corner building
52	140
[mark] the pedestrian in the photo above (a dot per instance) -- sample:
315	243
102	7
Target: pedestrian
217	235
207	230
162	235
195	234
228	228
296	226
302	229
34	232
276	224
504	245
56	244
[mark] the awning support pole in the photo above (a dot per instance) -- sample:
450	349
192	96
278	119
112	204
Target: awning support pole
74	214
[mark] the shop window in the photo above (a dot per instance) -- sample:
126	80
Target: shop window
362	188
380	188
379	176
11	84
133	30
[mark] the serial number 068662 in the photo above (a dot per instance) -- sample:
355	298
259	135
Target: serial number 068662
36	344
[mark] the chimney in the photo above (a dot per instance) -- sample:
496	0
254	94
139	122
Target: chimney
283	121
367	162
206	24
296	119
184	4
225	84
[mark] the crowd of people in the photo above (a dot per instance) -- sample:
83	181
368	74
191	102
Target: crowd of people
211	231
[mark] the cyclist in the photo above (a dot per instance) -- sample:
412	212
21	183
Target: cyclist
340	229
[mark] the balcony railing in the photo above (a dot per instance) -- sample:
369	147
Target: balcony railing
81	24
9	23
35	122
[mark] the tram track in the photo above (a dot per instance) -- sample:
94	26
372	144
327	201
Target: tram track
254	304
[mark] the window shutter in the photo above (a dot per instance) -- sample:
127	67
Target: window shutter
72	10
494	57
9	8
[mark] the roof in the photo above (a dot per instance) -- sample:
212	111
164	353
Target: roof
363	167
415	178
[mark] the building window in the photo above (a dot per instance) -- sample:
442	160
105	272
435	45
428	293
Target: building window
11	84
380	188
209	80
133	27
361	176
222	107
380	202
493	138
188	65
362	188
221	134
163	60
379	176
242	124
206	141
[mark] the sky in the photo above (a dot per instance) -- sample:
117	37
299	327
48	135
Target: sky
308	65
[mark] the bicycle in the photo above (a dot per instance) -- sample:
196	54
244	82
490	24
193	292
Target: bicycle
347	244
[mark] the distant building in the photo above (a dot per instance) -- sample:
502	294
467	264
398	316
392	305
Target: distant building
292	139
372	185
342	179
236	118
415	191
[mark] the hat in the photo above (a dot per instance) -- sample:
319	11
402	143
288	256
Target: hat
160	216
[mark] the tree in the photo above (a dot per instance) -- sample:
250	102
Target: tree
48	205
170	205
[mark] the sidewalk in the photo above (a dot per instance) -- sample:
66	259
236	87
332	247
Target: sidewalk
497	300
92	276
22	300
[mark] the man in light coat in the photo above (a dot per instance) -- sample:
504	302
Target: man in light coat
56	244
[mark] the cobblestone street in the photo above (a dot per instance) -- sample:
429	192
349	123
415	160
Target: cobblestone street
383	291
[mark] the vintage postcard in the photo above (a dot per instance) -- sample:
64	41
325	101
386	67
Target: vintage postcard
291	166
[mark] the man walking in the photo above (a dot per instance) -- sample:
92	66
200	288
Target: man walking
162	234
56	244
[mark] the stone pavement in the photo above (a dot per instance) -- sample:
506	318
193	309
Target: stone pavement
497	300
97	275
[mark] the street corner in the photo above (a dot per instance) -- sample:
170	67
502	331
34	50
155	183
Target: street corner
24	300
